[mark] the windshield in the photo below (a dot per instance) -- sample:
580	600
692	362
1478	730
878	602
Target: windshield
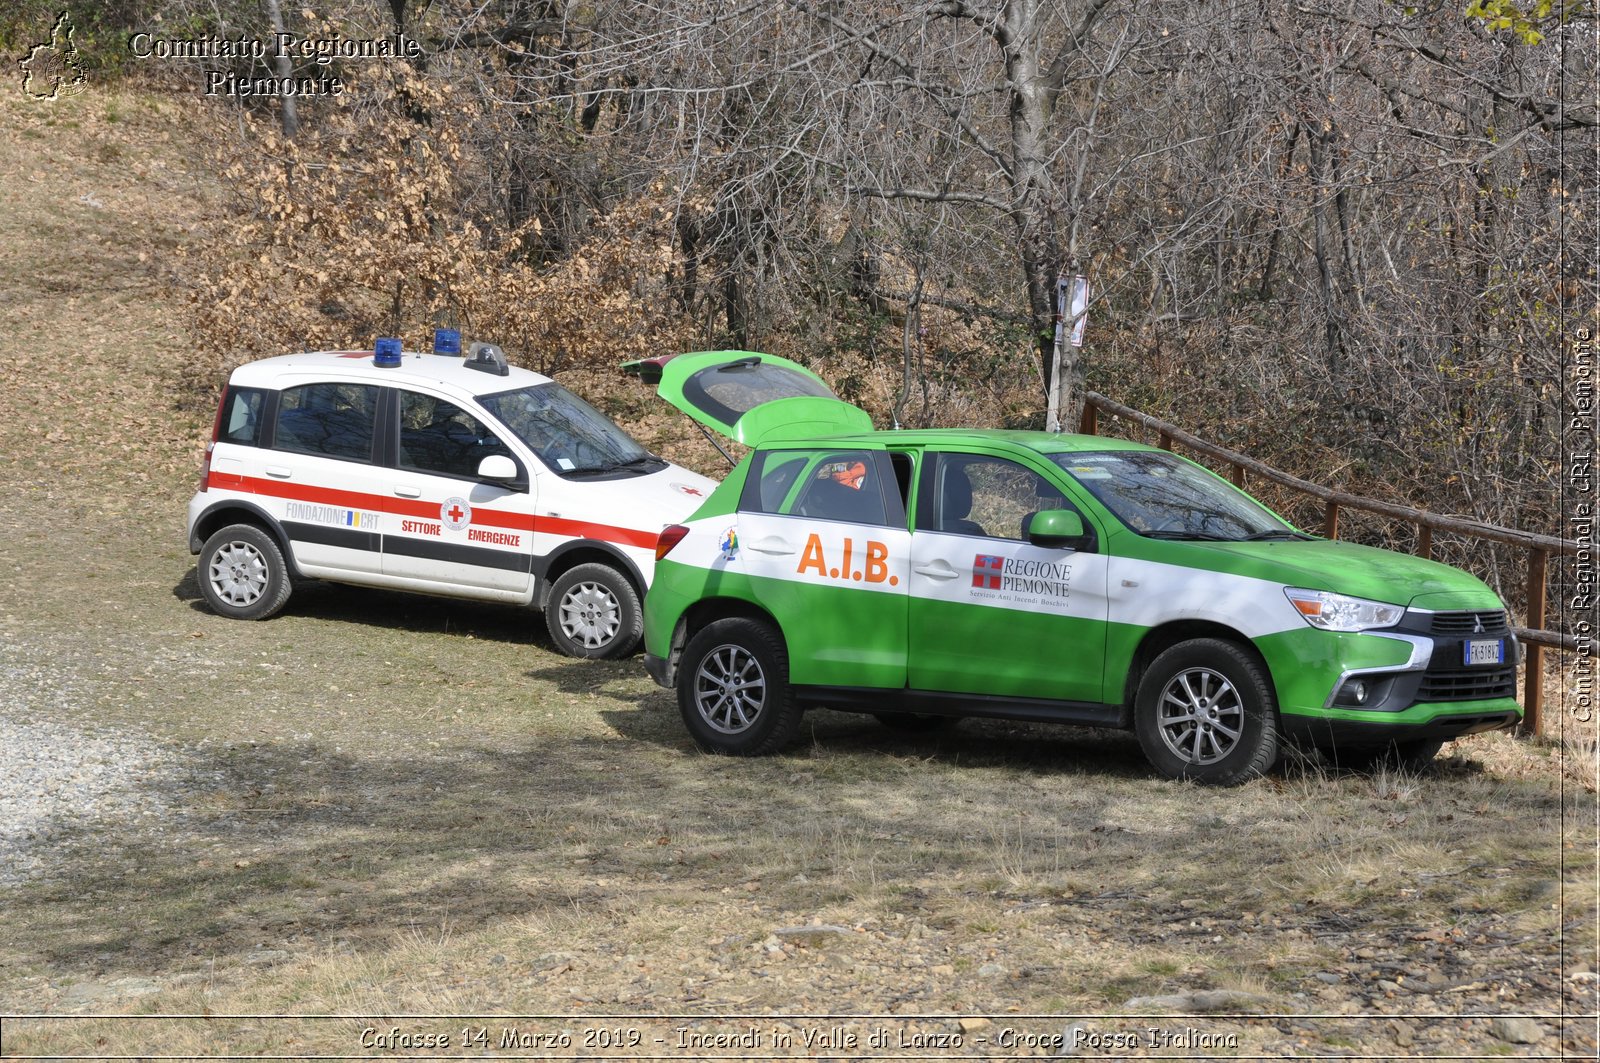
1164	497
568	435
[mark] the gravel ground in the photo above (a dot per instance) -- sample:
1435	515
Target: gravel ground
59	782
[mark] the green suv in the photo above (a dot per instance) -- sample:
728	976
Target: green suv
923	576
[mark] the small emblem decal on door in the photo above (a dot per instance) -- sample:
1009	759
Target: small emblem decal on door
729	544
455	513
1020	581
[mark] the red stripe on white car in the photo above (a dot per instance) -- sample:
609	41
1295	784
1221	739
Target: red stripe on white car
405	508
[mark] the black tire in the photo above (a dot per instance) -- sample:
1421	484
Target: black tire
243	574
593	612
915	723
733	689
1234	737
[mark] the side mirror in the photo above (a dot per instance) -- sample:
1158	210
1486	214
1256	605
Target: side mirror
1061	528
497	467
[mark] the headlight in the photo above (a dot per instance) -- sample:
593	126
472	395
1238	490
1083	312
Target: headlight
1340	612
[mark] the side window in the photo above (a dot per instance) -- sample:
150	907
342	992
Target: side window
440	437
839	485
241	416
333	420
771	481
904	469
970	494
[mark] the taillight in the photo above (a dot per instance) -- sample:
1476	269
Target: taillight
670	536
216	432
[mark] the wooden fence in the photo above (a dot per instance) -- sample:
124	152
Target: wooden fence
1535	638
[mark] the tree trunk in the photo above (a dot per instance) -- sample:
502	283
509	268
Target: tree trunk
281	67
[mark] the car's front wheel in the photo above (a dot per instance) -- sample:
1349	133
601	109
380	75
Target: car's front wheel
1205	711
733	689
594	613
243	574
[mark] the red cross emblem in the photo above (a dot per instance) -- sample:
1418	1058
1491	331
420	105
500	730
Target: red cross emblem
456	513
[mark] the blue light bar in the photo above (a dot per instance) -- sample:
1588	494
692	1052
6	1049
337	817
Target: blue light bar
447	341
386	353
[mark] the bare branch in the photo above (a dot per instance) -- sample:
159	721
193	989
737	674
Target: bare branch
932	197
938	94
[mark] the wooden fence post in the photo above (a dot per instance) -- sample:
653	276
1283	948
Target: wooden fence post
1533	679
1425	541
1164	441
1330	521
1088	423
1238	475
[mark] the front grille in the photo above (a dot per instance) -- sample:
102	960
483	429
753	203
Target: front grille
1468	686
1488	622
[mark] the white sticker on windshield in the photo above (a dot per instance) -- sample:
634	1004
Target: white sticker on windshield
565	463
1090	472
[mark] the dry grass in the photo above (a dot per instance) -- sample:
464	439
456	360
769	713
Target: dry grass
392	805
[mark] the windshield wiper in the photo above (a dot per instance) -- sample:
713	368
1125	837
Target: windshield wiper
642	459
613	466
1186	535
1274	533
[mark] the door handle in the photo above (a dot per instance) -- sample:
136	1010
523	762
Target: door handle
282	472
936	569
772	545
408	492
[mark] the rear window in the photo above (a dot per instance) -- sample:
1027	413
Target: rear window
727	392
240	421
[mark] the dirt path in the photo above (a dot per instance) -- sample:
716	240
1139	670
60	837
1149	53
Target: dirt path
380	804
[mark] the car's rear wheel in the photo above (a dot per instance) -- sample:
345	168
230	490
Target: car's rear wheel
733	689
1206	711
594	613
243	574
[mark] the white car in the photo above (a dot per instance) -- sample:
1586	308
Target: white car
457	476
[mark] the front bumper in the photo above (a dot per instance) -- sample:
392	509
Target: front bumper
1414	675
1426	722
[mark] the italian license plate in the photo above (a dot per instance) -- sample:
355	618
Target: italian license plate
1483	651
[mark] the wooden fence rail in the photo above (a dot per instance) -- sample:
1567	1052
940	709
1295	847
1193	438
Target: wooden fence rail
1540	548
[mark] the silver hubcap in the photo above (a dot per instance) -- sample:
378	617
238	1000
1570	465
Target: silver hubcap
590	615
1201	716
239	574
729	689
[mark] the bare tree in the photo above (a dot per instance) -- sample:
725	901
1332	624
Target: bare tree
1348	216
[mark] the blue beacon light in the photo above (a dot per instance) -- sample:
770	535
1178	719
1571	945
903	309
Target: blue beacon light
447	341
386	353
